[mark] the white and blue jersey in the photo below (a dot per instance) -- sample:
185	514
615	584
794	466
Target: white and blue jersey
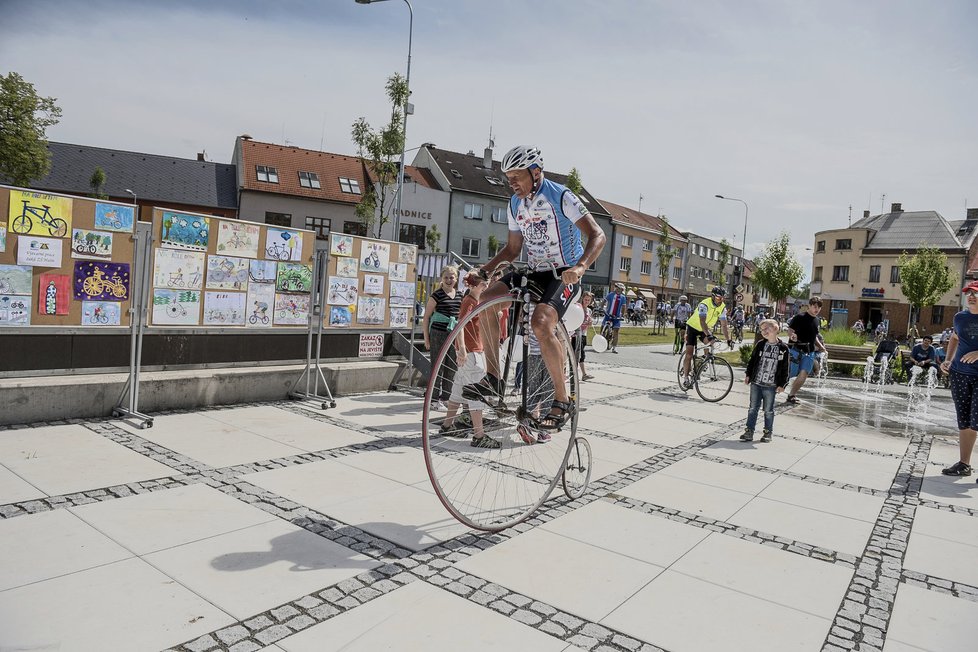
547	221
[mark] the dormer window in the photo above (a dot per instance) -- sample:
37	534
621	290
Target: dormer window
266	173
309	180
351	186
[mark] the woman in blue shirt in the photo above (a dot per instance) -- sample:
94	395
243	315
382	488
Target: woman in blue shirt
962	363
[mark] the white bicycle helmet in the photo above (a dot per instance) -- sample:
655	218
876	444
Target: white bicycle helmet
683	298
522	157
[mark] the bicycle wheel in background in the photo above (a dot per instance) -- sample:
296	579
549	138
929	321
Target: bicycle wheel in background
714	378
494	488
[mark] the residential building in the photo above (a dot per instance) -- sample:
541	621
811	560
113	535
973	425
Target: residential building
703	272
635	255
755	297
196	186
424	209
856	269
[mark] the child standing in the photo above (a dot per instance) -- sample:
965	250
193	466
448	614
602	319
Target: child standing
471	369
767	375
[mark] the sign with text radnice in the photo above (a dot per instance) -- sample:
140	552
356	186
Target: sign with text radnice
371	345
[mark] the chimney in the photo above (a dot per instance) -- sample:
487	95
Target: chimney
972	214
866	213
487	158
200	156
896	207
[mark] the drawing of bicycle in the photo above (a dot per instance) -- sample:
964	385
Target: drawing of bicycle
5	286
97	284
278	251
23	222
85	248
237	241
100	316
372	260
216	315
175	310
113	219
259	315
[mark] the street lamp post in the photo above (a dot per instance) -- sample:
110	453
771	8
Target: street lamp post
136	205
743	248
407	106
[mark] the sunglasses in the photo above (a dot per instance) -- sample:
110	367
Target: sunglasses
971	293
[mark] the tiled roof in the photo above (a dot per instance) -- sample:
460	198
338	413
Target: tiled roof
908	230
466	172
632	217
151	176
412	174
289	161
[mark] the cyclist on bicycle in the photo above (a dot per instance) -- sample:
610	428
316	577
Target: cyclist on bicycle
614	308
738	320
549	219
681	313
700	326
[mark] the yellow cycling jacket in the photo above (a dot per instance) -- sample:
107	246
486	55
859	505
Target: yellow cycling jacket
713	314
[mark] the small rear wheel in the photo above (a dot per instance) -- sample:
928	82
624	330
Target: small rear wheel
577	471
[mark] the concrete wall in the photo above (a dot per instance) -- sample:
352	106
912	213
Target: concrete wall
422	206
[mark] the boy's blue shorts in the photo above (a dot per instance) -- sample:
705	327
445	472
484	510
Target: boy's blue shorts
801	362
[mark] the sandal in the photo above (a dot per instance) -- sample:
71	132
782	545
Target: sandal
587	377
454	430
485	441
556	421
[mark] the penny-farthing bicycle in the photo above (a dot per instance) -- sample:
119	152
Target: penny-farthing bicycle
494	488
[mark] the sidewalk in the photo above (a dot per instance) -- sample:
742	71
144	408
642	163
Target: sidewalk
278	526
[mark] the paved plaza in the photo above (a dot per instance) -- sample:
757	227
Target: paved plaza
281	526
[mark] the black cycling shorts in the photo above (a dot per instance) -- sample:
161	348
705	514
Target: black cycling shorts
544	288
692	335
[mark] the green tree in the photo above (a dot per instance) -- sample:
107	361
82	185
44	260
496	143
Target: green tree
924	278
494	245
723	257
664	251
24	119
777	270
97	182
432	237
574	181
380	150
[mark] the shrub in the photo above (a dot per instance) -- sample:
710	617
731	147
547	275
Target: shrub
843	336
745	351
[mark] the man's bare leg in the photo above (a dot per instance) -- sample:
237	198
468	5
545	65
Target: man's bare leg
490	327
799	382
544	323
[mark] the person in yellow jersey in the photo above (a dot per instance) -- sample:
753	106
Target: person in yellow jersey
700	326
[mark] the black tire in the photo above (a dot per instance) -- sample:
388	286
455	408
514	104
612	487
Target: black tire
713	379
577	472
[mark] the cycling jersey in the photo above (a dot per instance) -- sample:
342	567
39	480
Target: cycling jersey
708	310
614	305
683	312
547	221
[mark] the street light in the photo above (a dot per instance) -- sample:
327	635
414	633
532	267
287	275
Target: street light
743	249
407	108
135	205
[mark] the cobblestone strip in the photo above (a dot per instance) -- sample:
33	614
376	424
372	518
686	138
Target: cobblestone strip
791	474
843	447
940	584
147	448
945	507
588	432
736	531
864	615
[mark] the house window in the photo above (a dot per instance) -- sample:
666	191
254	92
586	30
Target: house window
355	228
646	267
647	246
495	250
817	274
677	273
351	186
470	247
593	267
894	274
624	264
278	219
937	315
309	180
472	211
267	174
626	241
820	246
874	273
318	224
498	214
844	244
837	304
413	234
840	273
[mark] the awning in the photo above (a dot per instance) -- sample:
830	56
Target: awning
630	294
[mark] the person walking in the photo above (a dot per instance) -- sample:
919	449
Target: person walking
579	339
803	334
767	375
962	365
614	310
440	317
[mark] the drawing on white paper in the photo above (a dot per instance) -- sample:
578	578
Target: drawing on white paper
402	294
398	272
238	239
407	254
342	291
178	269
283	245
176	307
399	317
347	266
15	310
375	256
262	271
260	304
224	308
373	284
291	309
370	310
227	273
15	279
101	313
340	244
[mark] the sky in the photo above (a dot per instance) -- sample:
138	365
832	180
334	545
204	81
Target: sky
800	108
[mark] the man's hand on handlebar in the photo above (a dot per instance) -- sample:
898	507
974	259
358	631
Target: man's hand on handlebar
572	275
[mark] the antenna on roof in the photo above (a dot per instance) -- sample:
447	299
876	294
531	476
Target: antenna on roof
850	215
492	110
882	203
322	137
639	203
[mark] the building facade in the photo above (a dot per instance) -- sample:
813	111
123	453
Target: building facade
424	210
703	271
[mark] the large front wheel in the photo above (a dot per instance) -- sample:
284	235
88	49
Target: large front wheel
714	378
494	476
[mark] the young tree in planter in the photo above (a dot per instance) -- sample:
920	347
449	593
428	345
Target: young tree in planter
924	278
380	152
777	270
432	237
24	119
97	182
574	182
494	245
664	251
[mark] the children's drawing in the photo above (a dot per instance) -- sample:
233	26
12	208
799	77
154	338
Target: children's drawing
262	271
176	307
114	217
375	256
182	231
373	284
3	237
37	213
398	272
399	317
370	310
53	293
294	278
283	245
101	280
15	279
347	266
179	270
91	244
260	304
39	252
339	317
238	239
407	254
227	273
224	308
402	294
342	291
340	244
15	310
291	309
101	313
